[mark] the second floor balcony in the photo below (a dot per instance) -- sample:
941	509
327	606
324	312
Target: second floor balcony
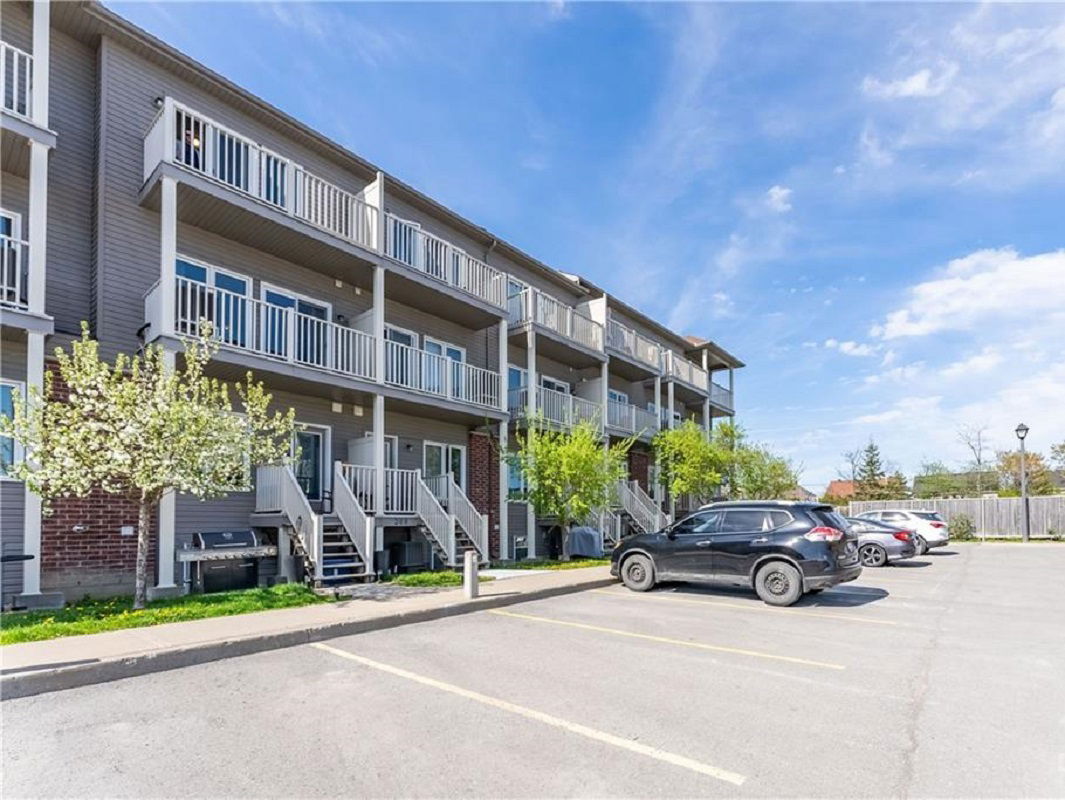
554	407
298	334
688	374
629	419
641	355
721	397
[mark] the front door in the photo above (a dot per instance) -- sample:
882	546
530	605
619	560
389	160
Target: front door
308	339
685	551
310	461
742	537
443	459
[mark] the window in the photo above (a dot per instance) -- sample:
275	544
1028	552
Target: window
310	322
208	292
515	378
929	515
826	515
515	299
400	365
438	373
10	451
744	520
554	384
702	522
311	448
443	459
515	482
618	397
12	271
779	519
893	516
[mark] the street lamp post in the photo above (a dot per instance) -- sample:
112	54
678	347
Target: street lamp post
1022	431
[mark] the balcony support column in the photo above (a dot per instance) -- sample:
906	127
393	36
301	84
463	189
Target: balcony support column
531	381
37	227
31	531
706	417
379	234
670	423
504	366
167	521
41	60
378	320
604	400
732	390
656	489
379	463
168	250
504	492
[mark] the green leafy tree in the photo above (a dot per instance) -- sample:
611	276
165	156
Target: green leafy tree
140	428
761	475
1009	472
690	464
569	475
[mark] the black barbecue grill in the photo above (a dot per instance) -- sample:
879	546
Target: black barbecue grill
225	560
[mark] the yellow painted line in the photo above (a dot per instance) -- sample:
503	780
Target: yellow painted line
666	640
799	612
548	719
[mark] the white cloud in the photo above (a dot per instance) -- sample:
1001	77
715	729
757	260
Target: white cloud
558	9
778	199
903	374
984	361
920	84
979	288
850	348
906	408
872	151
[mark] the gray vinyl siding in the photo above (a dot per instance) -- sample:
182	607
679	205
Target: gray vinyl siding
71	169
412	432
15	197
12	506
481	346
551	368
16	25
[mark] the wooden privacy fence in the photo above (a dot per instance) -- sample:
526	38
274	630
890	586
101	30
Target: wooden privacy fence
992	516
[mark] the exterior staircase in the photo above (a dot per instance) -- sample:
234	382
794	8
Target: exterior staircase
638	508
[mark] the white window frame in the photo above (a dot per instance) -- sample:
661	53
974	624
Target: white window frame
265	287
413	334
524	373
18	452
445	448
16	223
567	384
444	345
213	269
617	396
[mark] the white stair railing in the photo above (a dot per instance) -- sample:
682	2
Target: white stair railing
440	524
401	491
644	514
472	521
660	517
352	516
276	489
361	480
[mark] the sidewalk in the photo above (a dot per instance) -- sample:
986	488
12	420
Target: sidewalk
64	663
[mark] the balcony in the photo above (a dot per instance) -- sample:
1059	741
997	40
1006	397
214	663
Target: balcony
407	367
629	419
574	337
557	408
408	244
14	277
16	80
721	397
640	356
691	379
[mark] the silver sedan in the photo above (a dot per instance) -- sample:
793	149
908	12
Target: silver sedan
880	544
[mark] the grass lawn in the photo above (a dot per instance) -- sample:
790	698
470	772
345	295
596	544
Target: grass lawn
96	615
422	579
577	563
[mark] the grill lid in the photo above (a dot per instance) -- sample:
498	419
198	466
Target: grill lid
217	540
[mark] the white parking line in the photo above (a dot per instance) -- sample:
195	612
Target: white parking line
539	716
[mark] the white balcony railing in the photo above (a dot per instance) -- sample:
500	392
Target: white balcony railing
14	260
625	340
406	242
720	396
244	323
411	368
630	419
532	305
16	80
677	366
556	407
182	136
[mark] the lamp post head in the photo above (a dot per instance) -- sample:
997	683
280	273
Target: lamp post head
1021	431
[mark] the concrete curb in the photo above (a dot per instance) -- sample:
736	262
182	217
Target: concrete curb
29	683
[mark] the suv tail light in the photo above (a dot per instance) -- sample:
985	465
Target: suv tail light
938	524
823	533
902	536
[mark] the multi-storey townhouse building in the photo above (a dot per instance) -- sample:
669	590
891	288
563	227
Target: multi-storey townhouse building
143	193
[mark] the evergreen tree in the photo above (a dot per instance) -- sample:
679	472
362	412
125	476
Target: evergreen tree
869	484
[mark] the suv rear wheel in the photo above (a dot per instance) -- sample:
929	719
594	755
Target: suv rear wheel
637	573
778	584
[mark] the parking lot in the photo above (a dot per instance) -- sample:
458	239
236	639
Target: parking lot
940	677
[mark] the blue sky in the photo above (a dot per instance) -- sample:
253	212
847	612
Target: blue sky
866	203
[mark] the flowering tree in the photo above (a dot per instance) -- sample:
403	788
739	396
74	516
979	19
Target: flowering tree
569	475
141	428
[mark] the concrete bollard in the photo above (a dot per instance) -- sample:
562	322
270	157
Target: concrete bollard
470	581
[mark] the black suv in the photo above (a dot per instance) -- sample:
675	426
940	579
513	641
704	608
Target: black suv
781	549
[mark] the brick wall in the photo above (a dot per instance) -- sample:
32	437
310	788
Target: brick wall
640	467
98	560
482	483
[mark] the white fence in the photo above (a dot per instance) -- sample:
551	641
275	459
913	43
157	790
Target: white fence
992	516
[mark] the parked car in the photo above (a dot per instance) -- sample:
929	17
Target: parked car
928	526
879	543
780	549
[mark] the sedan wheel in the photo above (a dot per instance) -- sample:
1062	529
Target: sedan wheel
922	546
873	555
637	573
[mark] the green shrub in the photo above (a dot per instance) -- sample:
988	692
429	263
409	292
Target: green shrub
962	527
